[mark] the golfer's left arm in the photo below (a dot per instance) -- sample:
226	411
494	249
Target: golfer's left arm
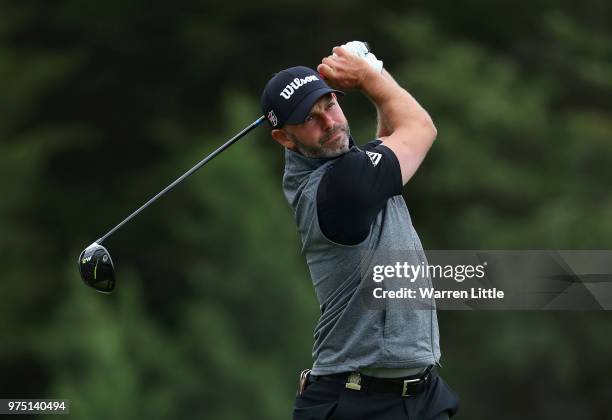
409	130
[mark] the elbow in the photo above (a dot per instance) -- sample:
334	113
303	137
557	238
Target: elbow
424	125
433	130
430	127
429	130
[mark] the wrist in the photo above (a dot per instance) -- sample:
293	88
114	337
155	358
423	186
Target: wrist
372	83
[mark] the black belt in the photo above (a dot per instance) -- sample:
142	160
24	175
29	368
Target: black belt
407	386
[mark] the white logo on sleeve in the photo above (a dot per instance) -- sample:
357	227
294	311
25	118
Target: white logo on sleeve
374	157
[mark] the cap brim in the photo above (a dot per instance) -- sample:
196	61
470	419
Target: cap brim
301	111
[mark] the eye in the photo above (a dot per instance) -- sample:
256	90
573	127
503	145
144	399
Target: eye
331	104
308	118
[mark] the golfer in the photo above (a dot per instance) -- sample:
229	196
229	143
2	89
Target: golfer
370	362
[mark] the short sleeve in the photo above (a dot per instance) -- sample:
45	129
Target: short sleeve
354	189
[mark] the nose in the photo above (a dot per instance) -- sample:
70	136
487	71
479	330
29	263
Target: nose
327	122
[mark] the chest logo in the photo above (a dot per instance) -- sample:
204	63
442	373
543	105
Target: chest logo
374	157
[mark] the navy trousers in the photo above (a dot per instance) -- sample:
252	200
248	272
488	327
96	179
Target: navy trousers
322	400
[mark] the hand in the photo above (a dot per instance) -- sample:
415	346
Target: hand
344	70
362	50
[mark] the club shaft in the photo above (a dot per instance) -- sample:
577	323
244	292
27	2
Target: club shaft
203	162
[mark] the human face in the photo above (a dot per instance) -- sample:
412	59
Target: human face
325	131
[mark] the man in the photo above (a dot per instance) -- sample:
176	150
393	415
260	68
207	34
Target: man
371	360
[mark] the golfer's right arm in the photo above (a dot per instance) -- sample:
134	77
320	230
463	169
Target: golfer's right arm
409	128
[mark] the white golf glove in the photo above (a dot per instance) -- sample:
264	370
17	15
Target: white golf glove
361	49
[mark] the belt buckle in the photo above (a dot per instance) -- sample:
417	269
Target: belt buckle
353	381
405	387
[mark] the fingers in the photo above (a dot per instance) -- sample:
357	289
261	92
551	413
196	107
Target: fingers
339	59
334	61
330	61
325	70
334	67
339	51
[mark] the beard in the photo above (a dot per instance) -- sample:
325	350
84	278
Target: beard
326	148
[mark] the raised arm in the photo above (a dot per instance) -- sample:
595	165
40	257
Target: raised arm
405	127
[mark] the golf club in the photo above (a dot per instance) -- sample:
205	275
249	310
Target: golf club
95	264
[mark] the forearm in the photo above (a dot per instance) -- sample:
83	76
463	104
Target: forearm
383	128
396	108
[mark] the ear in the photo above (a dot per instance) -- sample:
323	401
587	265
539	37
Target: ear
283	139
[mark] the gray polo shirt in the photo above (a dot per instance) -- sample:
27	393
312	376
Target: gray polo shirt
353	332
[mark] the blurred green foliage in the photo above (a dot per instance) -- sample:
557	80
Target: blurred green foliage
102	104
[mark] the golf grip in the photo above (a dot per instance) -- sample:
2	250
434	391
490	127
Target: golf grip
203	162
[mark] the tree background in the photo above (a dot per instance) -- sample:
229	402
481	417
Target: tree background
104	103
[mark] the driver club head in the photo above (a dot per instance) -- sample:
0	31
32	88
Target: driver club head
96	268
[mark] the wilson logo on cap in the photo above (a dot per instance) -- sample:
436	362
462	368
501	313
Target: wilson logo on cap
295	85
